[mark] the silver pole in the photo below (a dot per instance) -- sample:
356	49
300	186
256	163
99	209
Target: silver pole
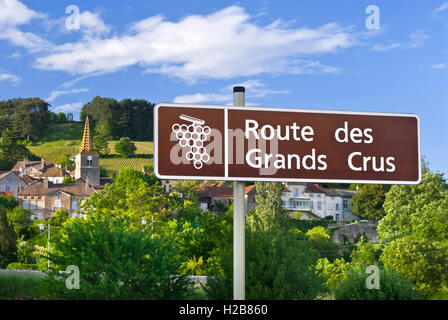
49	237
239	213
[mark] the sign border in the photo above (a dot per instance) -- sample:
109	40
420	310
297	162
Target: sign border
226	108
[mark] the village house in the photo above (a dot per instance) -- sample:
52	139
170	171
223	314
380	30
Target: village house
34	169
12	181
213	194
45	196
316	202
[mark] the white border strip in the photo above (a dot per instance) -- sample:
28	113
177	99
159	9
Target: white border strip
226	108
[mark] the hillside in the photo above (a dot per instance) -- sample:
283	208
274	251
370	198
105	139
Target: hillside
59	141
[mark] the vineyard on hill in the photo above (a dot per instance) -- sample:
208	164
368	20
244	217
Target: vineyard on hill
63	140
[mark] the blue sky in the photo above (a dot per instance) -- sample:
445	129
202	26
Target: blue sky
304	54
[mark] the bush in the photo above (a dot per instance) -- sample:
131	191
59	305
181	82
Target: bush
353	287
116	261
278	266
320	240
21	266
419	260
332	272
125	147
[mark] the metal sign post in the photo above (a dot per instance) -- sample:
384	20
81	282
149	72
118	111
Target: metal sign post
239	222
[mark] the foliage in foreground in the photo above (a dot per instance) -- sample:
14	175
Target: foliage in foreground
278	265
115	261
392	287
423	262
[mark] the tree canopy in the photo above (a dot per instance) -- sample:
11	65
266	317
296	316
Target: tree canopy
417	210
126	118
368	202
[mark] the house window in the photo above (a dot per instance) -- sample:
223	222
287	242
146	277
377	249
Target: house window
32	205
57	203
39	205
337	217
319	205
25	205
74	205
345	203
89	162
7	188
337	206
296	192
311	205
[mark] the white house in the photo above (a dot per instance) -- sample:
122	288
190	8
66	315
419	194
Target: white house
318	202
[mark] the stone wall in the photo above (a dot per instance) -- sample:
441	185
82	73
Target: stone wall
353	231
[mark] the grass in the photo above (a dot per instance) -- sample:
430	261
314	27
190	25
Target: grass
20	286
62	131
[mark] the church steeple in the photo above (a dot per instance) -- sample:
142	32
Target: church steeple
86	144
87	160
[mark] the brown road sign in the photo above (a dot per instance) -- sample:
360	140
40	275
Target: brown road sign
273	144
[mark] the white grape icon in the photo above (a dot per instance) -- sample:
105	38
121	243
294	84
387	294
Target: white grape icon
193	137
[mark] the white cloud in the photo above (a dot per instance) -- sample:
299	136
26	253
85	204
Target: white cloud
254	88
442	65
221	45
416	39
443	7
13	14
9	77
69	107
203	97
57	93
92	24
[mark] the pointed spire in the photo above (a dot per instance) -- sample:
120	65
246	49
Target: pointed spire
86	144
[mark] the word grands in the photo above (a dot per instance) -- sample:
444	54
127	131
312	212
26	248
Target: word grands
356	161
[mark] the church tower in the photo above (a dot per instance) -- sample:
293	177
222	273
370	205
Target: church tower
87	160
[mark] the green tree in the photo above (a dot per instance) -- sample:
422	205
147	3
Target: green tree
125	147
8	245
392	287
269	209
19	218
320	240
100	144
423	262
366	253
68	180
332	272
417	210
116	261
368	202
61	117
130	195
278	266
11	151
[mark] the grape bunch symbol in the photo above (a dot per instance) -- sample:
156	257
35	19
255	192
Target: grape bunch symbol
193	137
